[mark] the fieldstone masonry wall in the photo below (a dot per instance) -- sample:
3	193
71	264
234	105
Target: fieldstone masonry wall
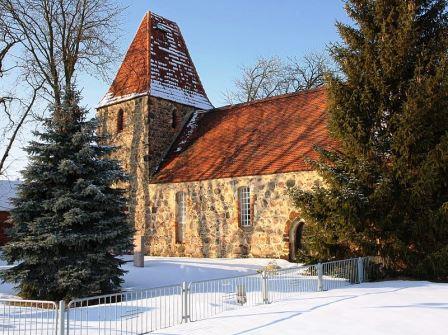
212	226
132	151
147	135
166	120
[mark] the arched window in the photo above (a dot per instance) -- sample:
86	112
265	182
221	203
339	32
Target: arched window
295	238
120	121
180	216
244	205
173	120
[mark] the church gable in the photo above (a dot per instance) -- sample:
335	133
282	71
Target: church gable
158	64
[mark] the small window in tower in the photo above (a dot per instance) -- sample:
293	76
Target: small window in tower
180	216
244	206
162	27
120	121
173	120
160	34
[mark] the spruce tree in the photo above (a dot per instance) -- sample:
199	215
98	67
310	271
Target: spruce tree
386	184
69	221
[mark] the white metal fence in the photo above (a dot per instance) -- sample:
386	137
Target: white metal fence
142	311
24	317
210	297
133	312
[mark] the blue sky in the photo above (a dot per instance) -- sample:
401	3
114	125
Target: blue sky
223	35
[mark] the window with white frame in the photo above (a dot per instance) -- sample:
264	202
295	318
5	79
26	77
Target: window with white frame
244	206
180	216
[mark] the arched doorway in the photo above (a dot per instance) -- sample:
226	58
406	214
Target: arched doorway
295	238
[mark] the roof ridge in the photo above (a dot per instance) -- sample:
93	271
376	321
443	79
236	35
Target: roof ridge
275	97
161	17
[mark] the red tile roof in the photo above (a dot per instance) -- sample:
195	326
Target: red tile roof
158	63
268	136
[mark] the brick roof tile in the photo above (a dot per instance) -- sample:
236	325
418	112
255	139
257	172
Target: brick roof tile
269	136
158	63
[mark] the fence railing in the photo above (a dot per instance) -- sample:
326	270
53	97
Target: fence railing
210	297
133	312
143	311
24	317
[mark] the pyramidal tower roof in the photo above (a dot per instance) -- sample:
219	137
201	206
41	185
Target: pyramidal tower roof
158	63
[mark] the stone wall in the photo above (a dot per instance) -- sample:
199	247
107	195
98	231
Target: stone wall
147	135
132	151
212	226
166	120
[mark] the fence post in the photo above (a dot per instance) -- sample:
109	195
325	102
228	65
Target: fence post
320	279
185	305
265	287
360	270
61	318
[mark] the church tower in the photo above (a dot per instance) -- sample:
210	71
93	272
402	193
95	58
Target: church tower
154	93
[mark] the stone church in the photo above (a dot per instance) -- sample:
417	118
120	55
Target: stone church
206	181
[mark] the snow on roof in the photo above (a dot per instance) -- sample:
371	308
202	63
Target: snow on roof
188	131
110	99
158	63
174	93
7	191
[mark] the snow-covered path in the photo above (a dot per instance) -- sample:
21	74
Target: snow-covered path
393	308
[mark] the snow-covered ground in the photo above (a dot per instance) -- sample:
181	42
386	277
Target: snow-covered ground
391	307
153	299
6	289
164	271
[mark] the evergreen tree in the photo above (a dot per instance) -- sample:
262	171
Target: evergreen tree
69	221
386	185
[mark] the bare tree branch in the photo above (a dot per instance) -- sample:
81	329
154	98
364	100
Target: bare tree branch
60	36
17	128
271	76
7	41
52	40
307	72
